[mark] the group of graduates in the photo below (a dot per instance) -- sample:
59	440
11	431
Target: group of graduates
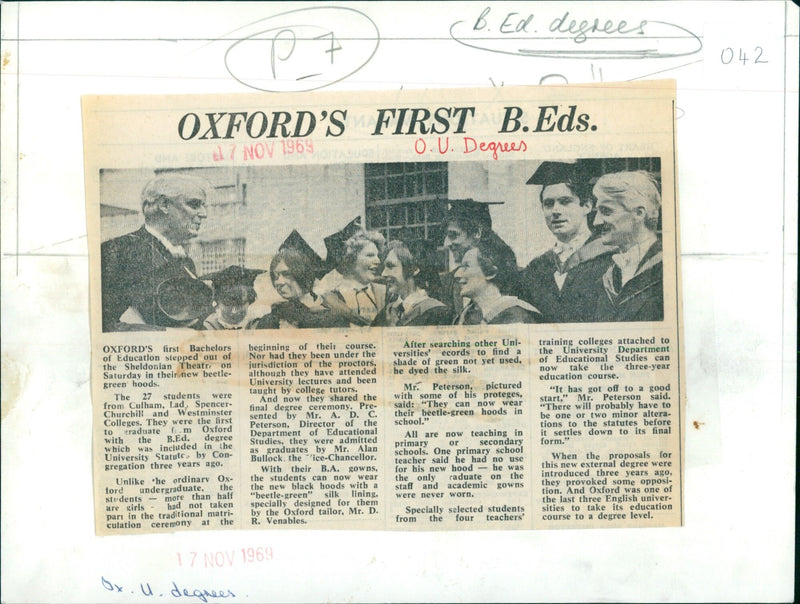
605	266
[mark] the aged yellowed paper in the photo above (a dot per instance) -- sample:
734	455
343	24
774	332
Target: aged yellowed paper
440	309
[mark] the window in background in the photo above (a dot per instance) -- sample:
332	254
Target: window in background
406	200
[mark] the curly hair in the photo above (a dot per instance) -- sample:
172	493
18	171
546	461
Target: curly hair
356	243
580	187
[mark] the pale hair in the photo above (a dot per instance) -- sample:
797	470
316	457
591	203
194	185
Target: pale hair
170	187
633	190
356	243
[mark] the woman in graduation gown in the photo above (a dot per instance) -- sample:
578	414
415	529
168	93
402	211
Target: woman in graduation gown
293	271
359	297
487	271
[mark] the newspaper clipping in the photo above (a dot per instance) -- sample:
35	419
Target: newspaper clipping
405	310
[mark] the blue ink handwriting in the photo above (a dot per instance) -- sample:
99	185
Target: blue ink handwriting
189	593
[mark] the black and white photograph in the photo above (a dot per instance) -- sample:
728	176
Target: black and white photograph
382	244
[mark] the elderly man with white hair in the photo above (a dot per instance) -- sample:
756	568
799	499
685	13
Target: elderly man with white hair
147	279
628	208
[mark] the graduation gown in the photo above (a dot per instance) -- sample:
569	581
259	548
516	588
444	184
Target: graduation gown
576	300
426	311
295	313
641	298
131	269
359	307
505	310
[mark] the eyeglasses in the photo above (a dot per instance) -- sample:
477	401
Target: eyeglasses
195	203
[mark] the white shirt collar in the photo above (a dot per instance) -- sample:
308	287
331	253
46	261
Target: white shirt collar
413	299
227	325
565	249
178	251
629	260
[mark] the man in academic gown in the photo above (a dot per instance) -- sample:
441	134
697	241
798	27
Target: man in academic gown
147	279
565	282
408	271
628	209
465	223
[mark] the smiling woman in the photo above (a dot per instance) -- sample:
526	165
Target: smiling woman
486	273
358	297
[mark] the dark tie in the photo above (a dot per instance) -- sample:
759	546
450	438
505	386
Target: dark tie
366	305
473	315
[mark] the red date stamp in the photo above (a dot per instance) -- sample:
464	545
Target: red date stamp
266	150
225	558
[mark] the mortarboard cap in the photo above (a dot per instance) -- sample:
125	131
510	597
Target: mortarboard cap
469	209
554	172
232	276
334	244
296	243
